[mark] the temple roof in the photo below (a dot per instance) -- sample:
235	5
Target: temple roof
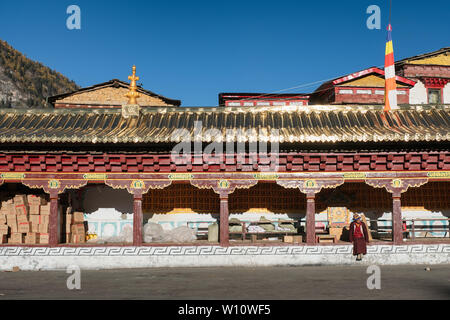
296	124
111	93
439	57
370	73
250	96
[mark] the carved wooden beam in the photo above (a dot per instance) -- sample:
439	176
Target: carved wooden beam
54	186
397	185
311	186
138	187
224	186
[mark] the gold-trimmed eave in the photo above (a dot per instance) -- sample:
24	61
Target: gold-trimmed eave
262	176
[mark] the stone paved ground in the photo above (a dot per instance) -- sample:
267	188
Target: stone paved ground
323	282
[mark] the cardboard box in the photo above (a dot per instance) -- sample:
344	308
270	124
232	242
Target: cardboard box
43	228
23	227
34	227
9	208
4	229
35	200
21	218
38	219
293	239
31	238
21	209
14	228
44	220
11	219
78	229
16	238
34	209
35	219
20	199
43	238
45	209
4	208
78	217
78	238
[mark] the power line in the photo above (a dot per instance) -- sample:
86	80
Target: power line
295	87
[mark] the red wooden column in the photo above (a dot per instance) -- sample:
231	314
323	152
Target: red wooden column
397	228
53	220
224	234
137	219
310	218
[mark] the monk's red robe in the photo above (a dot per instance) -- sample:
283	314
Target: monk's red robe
359	236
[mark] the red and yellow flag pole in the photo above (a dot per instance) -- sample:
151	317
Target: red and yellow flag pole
390	92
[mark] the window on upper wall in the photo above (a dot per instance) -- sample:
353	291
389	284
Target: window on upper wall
434	96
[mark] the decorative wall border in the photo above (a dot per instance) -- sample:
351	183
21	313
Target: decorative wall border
224	181
217	250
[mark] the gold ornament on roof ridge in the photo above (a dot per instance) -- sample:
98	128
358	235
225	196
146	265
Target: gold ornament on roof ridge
132	94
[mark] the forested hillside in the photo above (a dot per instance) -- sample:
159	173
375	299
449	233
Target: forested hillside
27	83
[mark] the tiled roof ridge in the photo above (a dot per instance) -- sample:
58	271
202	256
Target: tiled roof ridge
258	109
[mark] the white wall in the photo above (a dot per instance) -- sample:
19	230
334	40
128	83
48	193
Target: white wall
107	210
446	93
94	258
418	94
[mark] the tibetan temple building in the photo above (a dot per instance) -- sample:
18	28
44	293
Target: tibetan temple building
422	79
288	169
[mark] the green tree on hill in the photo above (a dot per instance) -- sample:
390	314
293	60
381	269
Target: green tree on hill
32	78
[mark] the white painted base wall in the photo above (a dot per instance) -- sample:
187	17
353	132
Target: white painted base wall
94	258
446	93
418	94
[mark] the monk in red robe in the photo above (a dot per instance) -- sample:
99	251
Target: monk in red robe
359	236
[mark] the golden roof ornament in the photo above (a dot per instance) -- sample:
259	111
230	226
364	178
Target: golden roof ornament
131	109
132	93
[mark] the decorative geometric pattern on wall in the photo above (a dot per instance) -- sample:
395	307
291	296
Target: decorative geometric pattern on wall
216	250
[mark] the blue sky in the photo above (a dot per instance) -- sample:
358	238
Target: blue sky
192	50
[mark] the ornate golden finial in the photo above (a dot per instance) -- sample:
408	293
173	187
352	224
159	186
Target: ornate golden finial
133	94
